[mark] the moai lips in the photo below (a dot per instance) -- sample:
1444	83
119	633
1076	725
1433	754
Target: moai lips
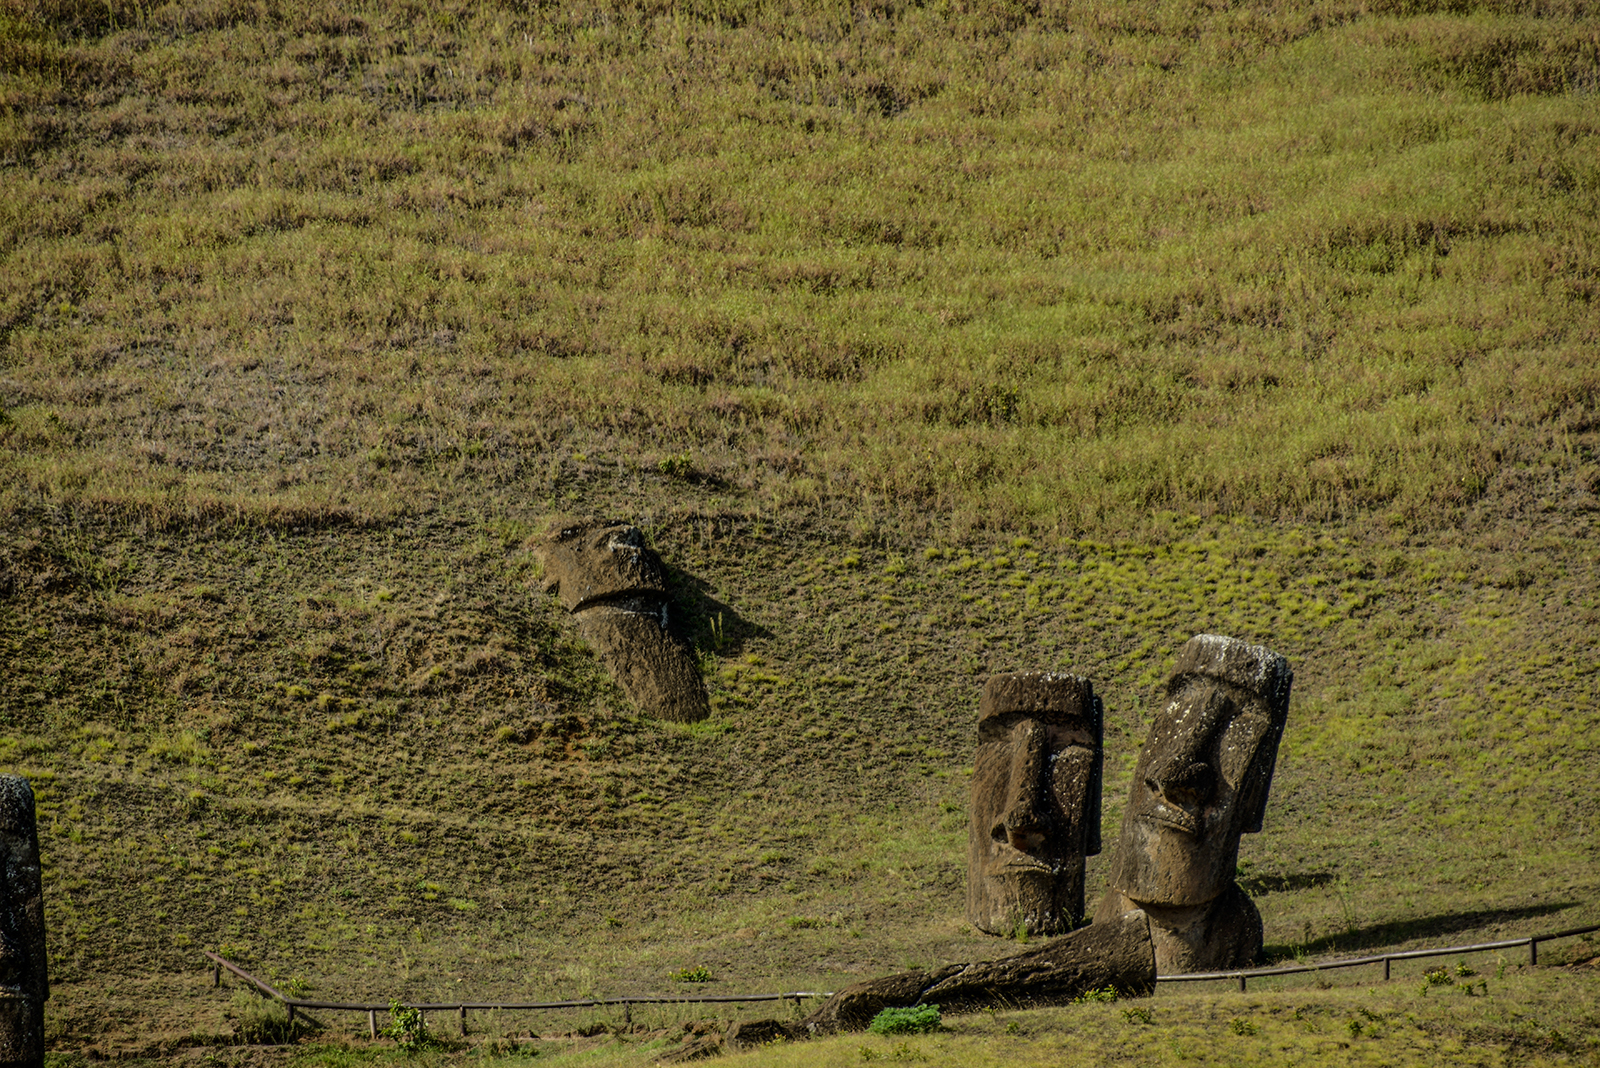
614	583
24	979
1035	802
1201	782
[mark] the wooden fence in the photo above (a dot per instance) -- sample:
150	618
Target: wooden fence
461	1008
1381	958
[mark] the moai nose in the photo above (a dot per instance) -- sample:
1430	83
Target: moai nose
1023	823
1190	785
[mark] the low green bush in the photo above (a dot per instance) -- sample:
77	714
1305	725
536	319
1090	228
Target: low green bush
916	1020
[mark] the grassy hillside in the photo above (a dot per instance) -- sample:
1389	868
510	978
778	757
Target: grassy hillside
924	342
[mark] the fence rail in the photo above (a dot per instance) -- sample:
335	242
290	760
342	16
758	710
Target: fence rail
461	1008
1382	958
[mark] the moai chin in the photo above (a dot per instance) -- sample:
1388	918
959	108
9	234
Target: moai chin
1202	781
24	981
1035	802
605	574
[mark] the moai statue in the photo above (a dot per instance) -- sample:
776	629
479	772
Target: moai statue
605	575
1116	954
1035	803
24	983
1201	781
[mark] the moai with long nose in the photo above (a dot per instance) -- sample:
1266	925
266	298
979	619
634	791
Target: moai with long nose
1202	781
24	980
1035	802
615	585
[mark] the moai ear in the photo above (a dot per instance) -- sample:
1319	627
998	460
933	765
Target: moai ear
1257	783
1091	839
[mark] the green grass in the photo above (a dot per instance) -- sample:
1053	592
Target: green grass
925	342
970	268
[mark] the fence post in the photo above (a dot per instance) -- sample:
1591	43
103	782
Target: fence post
1241	982
290	1006
216	975
463	1011
627	1013
1533	951
1386	969
372	1022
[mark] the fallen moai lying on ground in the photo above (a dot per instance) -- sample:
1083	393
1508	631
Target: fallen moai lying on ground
1117	954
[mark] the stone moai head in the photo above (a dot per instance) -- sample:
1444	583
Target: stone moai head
587	563
1035	802
615	586
24	981
1204	773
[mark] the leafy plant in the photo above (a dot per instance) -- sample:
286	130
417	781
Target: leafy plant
261	1020
1101	995
409	1029
679	466
697	974
1137	1014
912	1020
1240	1026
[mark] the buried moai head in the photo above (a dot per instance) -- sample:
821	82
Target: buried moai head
24	983
1203	774
586	563
609	578
1035	802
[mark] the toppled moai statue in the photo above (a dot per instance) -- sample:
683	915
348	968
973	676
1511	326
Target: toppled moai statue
605	575
1035	802
24	981
1116	954
1202	780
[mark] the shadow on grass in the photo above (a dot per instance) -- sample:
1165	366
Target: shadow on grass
709	625
1383	935
1261	885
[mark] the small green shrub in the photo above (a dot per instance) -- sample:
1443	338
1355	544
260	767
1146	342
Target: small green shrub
409	1030
1243	1027
1138	1015
915	1020
1104	994
679	466
261	1020
697	974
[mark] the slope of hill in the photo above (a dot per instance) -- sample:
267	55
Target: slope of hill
924	341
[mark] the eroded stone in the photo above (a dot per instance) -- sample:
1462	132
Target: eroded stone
595	560
605	573
1035	810
24	979
1201	782
1116	954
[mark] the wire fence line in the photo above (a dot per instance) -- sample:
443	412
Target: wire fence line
461	1008
1243	975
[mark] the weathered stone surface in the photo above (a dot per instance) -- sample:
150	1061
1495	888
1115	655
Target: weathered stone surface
24	979
605	573
1202	781
592	560
1035	810
658	673
753	1033
1116	954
